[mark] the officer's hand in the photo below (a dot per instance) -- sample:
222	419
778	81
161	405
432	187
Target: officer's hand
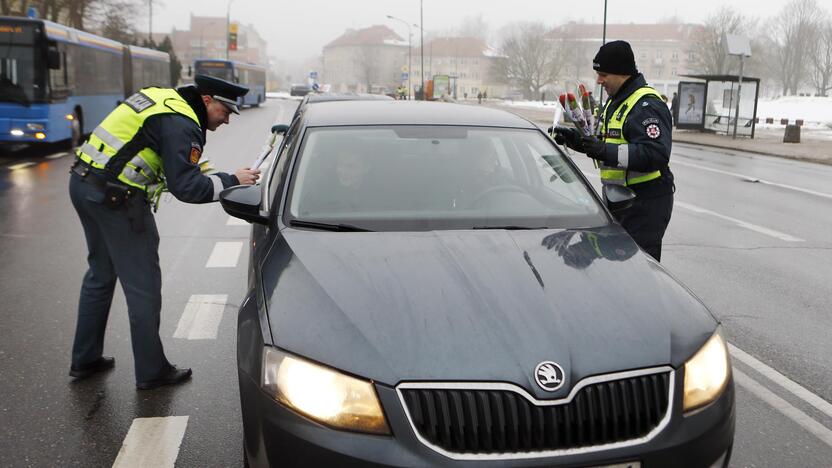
568	136
594	148
247	176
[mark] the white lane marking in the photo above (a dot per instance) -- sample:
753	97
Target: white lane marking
795	388
232	221
152	442
56	155
805	421
201	318
752	179
224	255
23	165
741	223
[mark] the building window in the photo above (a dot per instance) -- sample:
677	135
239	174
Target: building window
659	53
691	55
675	55
673	72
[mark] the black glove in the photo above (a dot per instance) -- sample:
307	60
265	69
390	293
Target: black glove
569	136
595	148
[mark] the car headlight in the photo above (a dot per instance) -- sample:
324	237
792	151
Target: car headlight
323	394
706	373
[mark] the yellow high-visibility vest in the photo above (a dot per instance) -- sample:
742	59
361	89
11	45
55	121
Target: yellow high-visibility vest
144	169
614	133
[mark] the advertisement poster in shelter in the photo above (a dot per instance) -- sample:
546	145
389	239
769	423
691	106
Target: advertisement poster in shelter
691	105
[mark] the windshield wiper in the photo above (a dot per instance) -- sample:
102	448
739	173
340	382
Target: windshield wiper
328	226
511	228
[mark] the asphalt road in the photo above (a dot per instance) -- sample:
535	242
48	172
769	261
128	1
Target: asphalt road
750	235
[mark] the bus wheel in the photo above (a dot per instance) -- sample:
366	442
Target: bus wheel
77	130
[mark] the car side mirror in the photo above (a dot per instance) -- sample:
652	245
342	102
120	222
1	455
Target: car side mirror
619	198
280	129
243	201
53	58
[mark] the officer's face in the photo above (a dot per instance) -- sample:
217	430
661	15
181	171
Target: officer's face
217	113
611	83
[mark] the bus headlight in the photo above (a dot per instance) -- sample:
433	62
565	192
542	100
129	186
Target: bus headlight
322	394
16	132
706	373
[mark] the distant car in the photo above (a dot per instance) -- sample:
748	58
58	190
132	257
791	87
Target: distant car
434	284
300	90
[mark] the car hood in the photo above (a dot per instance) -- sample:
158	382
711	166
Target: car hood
483	305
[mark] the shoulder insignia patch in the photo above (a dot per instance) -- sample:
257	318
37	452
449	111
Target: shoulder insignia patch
139	102
653	131
196	153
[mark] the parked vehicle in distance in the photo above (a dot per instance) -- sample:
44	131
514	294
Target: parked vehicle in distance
249	75
58	83
300	90
435	284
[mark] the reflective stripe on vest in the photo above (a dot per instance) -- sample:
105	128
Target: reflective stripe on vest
614	133
143	170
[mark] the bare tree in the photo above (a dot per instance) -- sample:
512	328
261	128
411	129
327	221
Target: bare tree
367	64
474	26
820	57
709	48
792	33
117	21
530	61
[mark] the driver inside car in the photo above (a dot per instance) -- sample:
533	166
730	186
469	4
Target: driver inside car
483	173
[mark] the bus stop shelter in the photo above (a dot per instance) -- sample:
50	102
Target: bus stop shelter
708	103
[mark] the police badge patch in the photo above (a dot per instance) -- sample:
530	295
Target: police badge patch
653	131
196	153
139	102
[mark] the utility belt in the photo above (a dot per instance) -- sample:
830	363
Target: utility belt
117	195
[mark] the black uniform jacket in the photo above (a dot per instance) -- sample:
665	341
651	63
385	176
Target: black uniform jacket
647	130
179	141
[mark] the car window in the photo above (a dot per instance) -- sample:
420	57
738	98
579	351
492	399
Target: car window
278	165
438	177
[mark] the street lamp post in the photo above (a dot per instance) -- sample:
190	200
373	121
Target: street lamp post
422	45
227	27
409	52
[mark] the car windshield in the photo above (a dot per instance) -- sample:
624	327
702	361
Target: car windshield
438	177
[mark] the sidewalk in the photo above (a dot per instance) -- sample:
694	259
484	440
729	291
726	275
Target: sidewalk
813	147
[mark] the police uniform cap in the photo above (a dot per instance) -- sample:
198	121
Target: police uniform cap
220	90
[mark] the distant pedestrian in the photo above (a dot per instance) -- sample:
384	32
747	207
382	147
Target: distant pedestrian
674	108
479	97
485	95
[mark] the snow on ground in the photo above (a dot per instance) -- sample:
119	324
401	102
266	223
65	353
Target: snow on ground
816	112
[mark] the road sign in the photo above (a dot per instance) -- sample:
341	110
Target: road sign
404	69
313	74
404	76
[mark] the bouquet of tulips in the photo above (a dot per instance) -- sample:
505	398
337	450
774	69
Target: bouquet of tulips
579	112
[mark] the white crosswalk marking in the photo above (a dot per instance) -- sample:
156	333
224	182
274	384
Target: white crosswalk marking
152	442
224	255
202	316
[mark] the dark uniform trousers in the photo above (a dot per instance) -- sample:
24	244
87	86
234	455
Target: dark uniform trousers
117	252
646	221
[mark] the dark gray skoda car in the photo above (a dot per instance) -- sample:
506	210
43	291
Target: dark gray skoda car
438	285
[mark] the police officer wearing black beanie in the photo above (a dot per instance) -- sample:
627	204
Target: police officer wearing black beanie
632	147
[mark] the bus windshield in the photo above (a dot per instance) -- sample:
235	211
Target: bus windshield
221	70
17	65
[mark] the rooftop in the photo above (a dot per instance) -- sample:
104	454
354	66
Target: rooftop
374	35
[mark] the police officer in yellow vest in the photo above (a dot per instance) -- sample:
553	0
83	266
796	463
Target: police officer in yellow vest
151	142
634	145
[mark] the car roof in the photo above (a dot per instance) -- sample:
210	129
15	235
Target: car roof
377	112
327	97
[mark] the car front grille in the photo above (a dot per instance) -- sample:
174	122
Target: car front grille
503	419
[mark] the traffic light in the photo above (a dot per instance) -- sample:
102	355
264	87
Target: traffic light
232	36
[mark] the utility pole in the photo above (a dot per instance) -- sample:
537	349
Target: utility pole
150	25
603	41
422	47
409	52
227	27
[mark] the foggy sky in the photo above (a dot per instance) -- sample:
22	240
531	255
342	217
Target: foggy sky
298	29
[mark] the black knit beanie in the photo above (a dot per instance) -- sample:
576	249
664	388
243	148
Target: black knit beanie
615	57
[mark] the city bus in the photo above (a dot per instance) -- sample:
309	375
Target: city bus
245	74
58	83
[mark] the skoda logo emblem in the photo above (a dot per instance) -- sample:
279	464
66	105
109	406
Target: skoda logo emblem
549	376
